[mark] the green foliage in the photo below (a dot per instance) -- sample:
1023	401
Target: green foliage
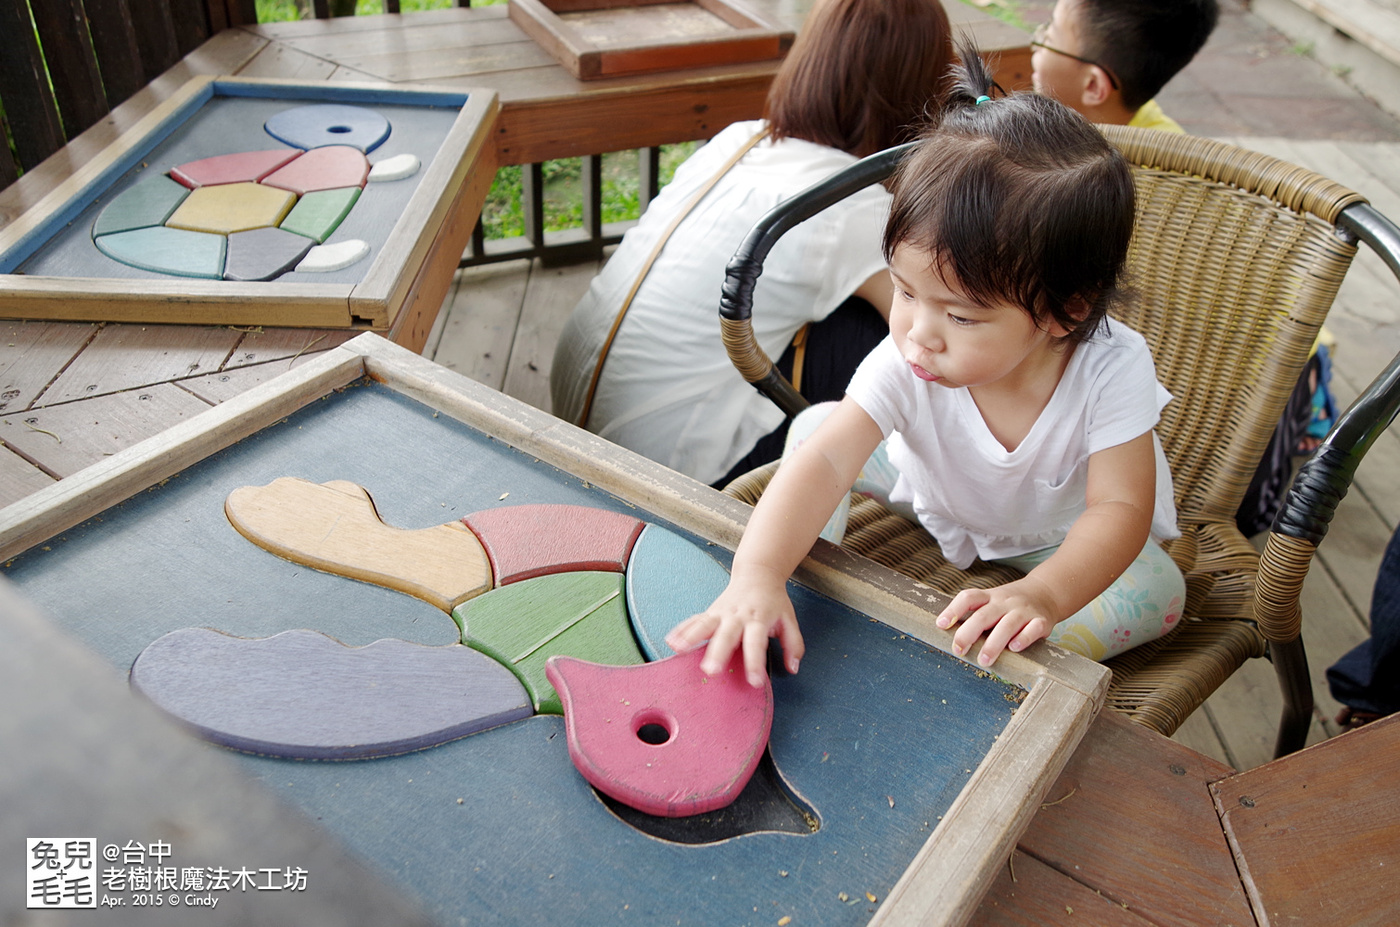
503	215
281	11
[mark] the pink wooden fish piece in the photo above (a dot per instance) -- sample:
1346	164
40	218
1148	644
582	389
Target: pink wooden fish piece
663	737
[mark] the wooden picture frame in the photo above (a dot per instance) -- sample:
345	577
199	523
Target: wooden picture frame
452	183
975	836
611	49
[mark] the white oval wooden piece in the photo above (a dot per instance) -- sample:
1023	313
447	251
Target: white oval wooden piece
323	259
396	168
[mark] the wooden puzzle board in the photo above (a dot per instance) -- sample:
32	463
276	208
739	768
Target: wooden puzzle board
919	771
51	268
610	38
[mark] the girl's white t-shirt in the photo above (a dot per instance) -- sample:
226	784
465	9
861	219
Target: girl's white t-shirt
979	499
668	390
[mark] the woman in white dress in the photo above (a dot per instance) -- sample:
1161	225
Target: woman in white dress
861	77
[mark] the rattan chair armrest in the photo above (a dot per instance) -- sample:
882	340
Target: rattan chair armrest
1311	502
1325	477
742	272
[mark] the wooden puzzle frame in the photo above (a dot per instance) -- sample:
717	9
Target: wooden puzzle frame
753	38
453	184
948	877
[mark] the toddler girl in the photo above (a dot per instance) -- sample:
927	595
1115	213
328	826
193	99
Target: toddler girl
1018	416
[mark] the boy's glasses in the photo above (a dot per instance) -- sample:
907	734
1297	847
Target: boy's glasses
1038	41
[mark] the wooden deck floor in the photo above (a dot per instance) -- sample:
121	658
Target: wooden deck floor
501	322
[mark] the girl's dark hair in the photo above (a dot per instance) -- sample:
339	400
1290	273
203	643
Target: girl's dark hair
862	74
1020	200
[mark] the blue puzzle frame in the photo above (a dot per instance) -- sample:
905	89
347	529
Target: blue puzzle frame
453	177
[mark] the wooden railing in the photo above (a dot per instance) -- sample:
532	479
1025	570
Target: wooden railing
566	246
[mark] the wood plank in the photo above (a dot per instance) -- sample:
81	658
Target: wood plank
1028	893
215	388
114	42
261	345
30	108
549	300
180	301
413	271
32	354
1198	733
155	36
72	65
190	20
481	320
19	477
66	438
1351	555
224	54
1093	823
635	115
475	65
124	357
1317	834
602	40
487	26
283	61
86	494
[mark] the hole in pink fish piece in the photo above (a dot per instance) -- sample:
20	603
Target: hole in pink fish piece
654	727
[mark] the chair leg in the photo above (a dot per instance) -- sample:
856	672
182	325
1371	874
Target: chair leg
1291	666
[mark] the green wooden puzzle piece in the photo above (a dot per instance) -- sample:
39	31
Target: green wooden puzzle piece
523	624
148	203
316	215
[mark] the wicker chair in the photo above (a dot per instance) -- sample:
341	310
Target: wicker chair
1236	260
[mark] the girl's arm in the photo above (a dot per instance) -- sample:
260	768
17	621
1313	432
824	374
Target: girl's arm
1101	544
784	526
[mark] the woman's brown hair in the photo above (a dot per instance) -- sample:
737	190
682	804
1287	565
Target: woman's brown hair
862	74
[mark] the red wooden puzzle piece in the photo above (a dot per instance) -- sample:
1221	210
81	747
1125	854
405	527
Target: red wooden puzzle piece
663	737
326	168
242	167
524	541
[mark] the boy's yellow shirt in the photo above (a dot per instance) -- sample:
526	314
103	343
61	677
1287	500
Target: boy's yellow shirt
1150	116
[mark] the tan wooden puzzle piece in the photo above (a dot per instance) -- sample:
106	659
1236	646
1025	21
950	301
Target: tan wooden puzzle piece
334	527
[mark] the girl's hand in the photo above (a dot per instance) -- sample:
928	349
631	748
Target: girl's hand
1018	614
745	615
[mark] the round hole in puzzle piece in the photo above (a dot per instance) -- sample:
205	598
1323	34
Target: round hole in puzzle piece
321	124
654	727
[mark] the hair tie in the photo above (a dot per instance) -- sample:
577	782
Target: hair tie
982	99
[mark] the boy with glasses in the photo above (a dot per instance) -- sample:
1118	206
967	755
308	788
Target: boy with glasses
1109	58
